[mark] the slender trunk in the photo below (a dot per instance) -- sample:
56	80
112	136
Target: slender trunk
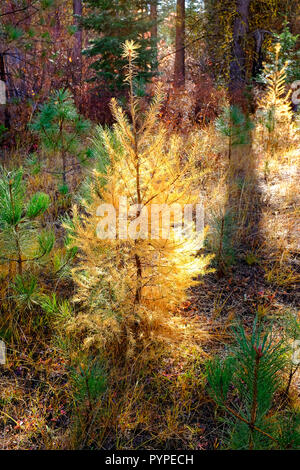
139	273
154	29
179	70
77	57
257	67
64	175
291	375
153	16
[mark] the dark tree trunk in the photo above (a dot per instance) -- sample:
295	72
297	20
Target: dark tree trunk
179	70
77	10
259	36
238	60
153	17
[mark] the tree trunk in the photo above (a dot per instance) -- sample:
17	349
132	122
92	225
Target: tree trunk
153	17
259	36
238	60
77	57
179	70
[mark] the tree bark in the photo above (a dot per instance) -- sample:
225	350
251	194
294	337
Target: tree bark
153	16
154	29
77	57
179	70
259	36
238	60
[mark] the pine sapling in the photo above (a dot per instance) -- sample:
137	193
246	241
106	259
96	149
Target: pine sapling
275	108
250	371
22	241
130	284
234	125
61	130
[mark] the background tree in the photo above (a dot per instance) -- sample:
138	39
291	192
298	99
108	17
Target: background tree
154	20
179	69
238	59
77	57
238	35
111	23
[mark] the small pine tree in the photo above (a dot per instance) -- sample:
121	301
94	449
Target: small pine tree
22	242
61	130
234	125
130	286
275	108
220	239
244	384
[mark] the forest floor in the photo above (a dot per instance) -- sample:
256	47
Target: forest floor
34	388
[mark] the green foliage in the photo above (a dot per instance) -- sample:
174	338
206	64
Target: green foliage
15	30
2	132
88	385
290	324
55	310
101	163
22	241
88	381
61	130
244	384
26	292
113	22
62	262
37	205
235	125
289	56
32	164
220	239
